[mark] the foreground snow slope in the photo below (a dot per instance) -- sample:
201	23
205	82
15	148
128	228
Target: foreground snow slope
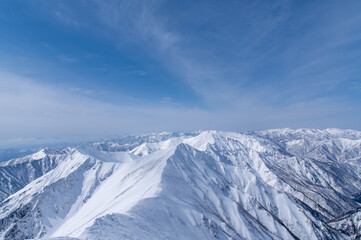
276	184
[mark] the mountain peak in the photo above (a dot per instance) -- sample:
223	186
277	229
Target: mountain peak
277	184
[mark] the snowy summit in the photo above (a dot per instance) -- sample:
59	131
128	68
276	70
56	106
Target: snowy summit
275	184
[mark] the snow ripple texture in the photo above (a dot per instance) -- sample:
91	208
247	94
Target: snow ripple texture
275	184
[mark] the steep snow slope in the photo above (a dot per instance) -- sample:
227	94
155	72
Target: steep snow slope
321	168
276	184
17	173
203	199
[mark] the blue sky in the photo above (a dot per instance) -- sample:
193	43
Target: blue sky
74	70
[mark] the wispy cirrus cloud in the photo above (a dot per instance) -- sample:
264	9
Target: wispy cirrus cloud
227	52
40	112
67	58
138	72
36	110
252	65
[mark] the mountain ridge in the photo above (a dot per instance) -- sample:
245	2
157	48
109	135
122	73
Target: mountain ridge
284	184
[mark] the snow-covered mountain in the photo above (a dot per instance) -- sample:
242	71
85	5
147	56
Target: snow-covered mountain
275	184
349	223
17	173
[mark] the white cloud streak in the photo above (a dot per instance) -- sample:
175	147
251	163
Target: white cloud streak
30	110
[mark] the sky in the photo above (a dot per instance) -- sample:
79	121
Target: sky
78	70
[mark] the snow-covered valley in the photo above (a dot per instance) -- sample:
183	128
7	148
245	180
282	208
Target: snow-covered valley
275	184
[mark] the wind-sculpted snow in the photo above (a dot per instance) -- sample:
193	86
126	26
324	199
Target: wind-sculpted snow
275	184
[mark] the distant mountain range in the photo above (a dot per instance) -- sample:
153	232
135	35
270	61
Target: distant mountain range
275	184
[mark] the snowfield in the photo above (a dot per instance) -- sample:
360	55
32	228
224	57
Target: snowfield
275	184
